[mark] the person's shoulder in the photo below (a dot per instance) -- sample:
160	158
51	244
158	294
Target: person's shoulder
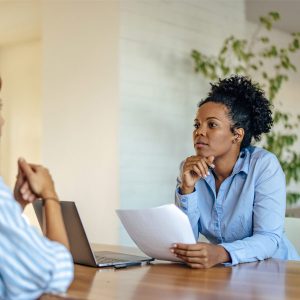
258	152
262	156
6	198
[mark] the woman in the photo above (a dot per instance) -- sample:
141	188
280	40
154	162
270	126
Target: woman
31	264
233	193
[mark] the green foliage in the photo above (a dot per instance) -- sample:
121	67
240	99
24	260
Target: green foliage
259	57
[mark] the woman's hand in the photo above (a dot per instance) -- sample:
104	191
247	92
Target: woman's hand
36	180
194	168
201	255
22	191
33	181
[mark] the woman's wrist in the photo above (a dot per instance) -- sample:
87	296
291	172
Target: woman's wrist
50	196
52	199
184	190
223	255
51	193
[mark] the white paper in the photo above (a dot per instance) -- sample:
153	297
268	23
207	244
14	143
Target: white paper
155	230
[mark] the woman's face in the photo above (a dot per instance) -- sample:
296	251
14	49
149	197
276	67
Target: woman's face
212	135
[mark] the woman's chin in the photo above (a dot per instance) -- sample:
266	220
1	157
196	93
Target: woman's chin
202	152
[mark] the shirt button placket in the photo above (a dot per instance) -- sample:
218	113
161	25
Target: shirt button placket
219	212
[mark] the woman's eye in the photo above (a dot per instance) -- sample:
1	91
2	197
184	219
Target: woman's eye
212	125
196	126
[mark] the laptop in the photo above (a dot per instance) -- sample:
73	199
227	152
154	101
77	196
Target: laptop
79	245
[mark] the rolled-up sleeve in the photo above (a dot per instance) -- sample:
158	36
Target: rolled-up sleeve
30	263
268	216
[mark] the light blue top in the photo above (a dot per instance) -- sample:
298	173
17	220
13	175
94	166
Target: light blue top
30	264
247	216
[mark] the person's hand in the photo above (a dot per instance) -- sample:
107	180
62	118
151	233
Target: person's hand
201	255
38	179
22	191
194	168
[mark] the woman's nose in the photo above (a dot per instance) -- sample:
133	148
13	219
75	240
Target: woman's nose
201	131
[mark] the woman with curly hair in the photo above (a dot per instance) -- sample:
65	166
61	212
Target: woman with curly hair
233	193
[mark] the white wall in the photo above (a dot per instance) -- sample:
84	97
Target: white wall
160	91
81	108
20	21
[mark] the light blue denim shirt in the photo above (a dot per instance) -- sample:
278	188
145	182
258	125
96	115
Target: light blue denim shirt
247	215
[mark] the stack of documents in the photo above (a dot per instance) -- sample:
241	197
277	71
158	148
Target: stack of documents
155	230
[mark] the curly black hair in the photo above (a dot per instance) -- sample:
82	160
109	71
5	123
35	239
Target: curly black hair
248	108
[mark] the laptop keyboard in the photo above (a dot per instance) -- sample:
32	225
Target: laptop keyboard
106	260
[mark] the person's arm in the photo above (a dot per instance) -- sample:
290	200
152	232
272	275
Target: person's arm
268	216
186	193
54	227
30	263
189	205
200	255
37	181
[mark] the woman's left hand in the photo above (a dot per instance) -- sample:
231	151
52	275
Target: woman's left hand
201	255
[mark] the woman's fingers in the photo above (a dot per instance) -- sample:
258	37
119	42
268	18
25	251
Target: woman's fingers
203	167
204	254
197	168
190	249
194	168
20	178
27	193
196	164
193	260
24	188
195	255
190	253
32	198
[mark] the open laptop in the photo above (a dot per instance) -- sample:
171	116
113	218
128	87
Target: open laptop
79	245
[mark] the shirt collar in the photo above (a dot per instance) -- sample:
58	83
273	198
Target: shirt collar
243	162
241	165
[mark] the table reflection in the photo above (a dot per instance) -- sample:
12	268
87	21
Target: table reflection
270	279
259	280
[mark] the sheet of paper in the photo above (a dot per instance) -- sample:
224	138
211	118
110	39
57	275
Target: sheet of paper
154	230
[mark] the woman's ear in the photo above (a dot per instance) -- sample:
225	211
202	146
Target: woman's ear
238	135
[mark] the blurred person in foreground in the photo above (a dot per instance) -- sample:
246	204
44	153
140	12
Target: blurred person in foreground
31	264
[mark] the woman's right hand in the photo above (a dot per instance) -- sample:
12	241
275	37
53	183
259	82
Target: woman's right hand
38	178
194	168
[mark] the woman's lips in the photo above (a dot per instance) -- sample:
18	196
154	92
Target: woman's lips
200	145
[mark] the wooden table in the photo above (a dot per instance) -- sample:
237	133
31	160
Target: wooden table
269	279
